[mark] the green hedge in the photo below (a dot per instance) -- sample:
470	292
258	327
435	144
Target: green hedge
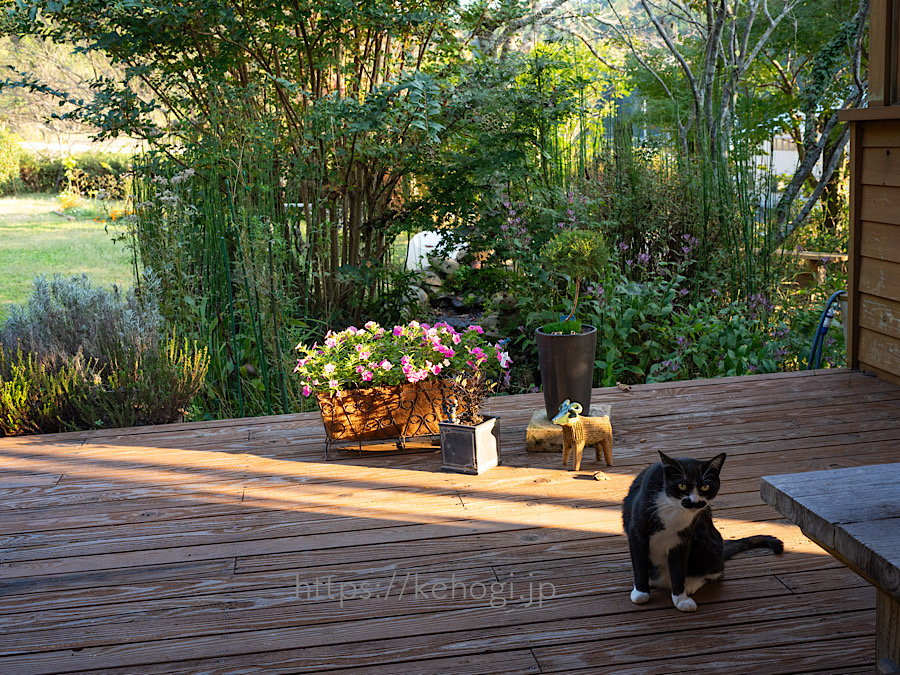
9	158
92	173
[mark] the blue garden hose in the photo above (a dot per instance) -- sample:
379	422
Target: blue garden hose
828	314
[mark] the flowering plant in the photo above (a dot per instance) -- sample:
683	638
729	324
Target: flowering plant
371	356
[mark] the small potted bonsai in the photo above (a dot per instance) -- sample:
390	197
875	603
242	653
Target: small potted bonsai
566	348
470	441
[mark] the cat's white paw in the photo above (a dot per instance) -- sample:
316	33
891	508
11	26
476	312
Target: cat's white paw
639	597
683	603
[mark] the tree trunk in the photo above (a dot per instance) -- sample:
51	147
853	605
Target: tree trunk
832	200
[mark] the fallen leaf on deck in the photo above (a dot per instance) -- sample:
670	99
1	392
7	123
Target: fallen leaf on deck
599	475
623	387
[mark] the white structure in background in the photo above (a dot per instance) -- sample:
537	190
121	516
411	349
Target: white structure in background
422	245
779	158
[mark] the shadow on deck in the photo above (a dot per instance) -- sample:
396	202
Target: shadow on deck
233	547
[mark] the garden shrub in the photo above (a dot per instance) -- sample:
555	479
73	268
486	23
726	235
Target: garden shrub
69	316
9	157
655	325
92	174
78	356
39	397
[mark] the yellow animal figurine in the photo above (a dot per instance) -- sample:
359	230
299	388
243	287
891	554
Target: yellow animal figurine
579	431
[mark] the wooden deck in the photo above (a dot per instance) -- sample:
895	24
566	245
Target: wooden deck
196	548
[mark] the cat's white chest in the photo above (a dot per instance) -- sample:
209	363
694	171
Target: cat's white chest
674	518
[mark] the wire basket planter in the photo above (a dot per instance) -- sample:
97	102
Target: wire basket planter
393	412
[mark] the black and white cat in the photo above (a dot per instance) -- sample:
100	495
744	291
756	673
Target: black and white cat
671	535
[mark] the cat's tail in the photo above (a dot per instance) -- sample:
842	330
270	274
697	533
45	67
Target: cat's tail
735	546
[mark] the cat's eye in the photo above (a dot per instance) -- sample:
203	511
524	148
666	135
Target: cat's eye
682	486
704	488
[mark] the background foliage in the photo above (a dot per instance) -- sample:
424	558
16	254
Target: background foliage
291	143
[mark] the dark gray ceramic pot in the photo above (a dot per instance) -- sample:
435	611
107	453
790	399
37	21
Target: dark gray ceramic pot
567	367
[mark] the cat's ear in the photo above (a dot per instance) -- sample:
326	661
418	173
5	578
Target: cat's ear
715	463
666	460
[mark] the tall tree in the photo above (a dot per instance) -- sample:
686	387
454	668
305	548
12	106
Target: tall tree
814	74
342	85
704	55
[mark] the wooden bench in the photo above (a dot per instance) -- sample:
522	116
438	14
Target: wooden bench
854	514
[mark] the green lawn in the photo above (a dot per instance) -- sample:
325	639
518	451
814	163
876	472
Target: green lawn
34	240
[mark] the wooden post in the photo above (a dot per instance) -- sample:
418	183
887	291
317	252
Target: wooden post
883	52
852	318
887	633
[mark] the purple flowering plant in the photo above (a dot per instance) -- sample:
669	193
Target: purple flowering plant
372	356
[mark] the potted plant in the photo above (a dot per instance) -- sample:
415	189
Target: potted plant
371	383
470	441
566	348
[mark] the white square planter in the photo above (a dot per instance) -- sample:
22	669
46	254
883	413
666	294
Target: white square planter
468	449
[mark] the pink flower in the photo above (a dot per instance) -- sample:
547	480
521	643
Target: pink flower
477	329
365	355
329	368
436	369
371	325
333	384
367	376
331	340
385	365
307	390
503	358
398	331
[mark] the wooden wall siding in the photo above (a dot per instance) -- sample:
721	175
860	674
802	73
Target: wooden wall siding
880	278
875	248
882	241
881	166
879	350
880	315
880	133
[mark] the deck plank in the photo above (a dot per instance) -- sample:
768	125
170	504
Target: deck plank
185	548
